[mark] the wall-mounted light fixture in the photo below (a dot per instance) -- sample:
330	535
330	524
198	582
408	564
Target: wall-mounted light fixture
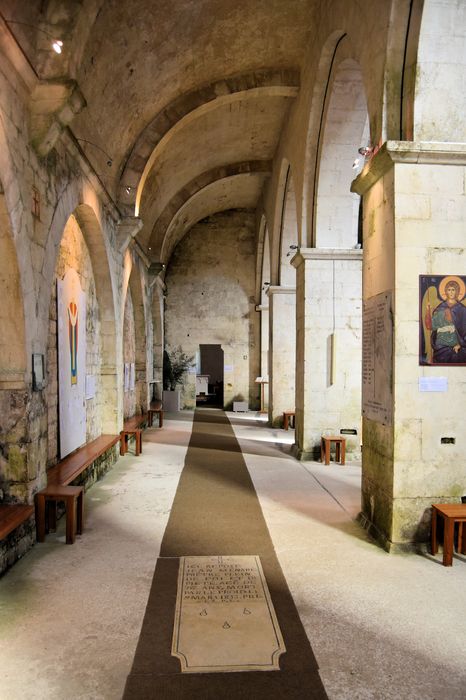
292	247
109	158
56	44
365	151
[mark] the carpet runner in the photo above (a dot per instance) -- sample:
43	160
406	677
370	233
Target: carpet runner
216	512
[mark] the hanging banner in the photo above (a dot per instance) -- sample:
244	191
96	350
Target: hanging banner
71	317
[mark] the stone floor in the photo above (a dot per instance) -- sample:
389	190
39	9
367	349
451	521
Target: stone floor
382	626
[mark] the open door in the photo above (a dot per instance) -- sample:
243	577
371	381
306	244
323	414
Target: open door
209	379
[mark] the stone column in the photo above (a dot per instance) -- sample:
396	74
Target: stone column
414	224
282	351
264	331
328	347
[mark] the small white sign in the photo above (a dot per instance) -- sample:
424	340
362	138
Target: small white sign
433	383
132	376
90	386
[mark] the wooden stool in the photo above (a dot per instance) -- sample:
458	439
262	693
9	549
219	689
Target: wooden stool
150	416
46	518
124	437
340	448
286	418
451	513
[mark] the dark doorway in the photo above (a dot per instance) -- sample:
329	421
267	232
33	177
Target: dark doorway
209	381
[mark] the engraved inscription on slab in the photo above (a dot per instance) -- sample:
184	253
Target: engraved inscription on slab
224	619
377	351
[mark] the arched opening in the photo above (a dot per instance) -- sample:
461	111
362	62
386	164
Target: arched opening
82	396
74	349
346	130
282	302
288	233
333	330
140	339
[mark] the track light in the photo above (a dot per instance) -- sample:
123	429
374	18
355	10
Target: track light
365	151
109	159
57	44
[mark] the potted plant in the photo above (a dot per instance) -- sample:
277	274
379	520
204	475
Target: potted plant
175	364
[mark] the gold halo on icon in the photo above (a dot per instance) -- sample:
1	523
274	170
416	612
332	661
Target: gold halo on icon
444	283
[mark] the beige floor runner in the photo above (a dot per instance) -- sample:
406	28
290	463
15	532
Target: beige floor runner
216	512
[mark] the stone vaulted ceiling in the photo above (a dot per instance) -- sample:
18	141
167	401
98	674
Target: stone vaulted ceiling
181	94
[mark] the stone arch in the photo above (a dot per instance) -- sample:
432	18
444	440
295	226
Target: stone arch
192	188
90	221
314	129
240	191
275	237
189	106
157	308
288	233
136	287
346	128
263	283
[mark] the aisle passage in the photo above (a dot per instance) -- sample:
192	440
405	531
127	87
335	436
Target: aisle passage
216	513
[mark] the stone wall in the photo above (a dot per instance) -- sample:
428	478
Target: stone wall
210	300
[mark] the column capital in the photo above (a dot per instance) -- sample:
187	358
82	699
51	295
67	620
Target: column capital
414	152
278	289
329	254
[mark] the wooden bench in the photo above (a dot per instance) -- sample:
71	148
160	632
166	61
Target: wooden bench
70	467
155	408
132	428
58	489
451	513
12	515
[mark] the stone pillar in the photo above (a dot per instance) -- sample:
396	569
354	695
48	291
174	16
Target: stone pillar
414	224
328	347
282	351
264	331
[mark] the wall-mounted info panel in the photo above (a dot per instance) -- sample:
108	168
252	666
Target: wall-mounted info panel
71	316
377	354
225	620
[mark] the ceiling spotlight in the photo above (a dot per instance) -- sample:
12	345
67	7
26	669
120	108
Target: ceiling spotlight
365	151
128	189
57	44
356	163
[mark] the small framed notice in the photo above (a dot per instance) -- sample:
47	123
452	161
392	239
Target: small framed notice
433	383
38	372
90	386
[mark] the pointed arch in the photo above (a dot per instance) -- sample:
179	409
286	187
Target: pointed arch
288	233
346	129
136	286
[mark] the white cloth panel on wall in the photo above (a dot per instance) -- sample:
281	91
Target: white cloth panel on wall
71	312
